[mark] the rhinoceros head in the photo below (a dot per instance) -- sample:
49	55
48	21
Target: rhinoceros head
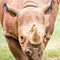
32	23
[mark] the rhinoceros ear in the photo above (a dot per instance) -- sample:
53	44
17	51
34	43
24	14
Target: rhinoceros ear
11	10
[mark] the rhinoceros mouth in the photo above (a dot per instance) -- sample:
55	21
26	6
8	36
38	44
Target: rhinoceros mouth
30	4
35	54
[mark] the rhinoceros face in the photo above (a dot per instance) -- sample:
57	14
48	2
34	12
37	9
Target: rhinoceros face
32	23
31	31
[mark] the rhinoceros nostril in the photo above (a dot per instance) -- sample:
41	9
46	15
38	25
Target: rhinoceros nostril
28	52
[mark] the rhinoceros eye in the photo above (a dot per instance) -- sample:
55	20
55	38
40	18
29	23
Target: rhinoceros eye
22	39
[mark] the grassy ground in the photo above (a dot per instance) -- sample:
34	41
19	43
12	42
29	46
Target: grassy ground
52	51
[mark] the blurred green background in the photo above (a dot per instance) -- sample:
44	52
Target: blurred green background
52	51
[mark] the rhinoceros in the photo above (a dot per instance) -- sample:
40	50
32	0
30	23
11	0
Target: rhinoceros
28	26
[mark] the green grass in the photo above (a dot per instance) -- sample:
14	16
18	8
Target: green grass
52	51
59	10
5	53
51	54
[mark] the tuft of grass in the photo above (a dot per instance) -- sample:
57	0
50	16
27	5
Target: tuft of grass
50	54
5	54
